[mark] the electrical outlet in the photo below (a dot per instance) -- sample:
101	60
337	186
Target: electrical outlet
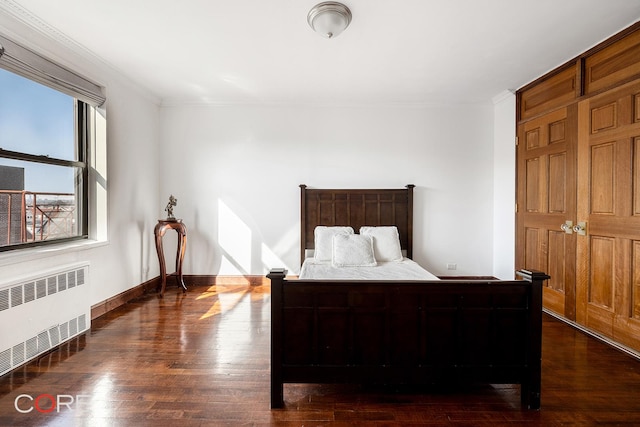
452	266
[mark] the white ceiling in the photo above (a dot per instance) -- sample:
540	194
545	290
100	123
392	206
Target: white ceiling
395	51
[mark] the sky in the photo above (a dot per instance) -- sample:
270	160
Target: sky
37	120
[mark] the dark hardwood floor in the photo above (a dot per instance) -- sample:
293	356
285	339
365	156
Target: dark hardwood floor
202	359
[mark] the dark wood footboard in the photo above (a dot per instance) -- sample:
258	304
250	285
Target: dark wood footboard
407	333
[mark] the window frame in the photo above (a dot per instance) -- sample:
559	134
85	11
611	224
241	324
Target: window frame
88	97
82	127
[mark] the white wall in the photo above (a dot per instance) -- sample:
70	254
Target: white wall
128	257
504	184
236	169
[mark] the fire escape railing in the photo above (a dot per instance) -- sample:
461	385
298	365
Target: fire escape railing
27	216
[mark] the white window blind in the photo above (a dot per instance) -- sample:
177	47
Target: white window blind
31	65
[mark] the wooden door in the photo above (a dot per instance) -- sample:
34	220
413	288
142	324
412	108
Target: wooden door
608	254
546	197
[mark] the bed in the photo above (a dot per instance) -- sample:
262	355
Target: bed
412	329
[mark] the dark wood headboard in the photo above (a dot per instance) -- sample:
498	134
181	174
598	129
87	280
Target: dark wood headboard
357	208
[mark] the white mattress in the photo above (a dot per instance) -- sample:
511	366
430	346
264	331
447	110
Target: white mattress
406	269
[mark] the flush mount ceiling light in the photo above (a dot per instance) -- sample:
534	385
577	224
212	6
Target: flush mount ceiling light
329	18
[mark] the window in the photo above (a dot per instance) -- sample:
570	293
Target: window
46	134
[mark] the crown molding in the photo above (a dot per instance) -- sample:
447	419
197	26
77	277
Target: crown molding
25	17
69	48
502	96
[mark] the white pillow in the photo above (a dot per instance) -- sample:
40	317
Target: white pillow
386	242
352	250
322	240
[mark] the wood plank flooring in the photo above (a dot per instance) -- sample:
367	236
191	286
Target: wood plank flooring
202	359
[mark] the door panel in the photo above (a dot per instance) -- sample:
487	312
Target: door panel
635	274
556	267
578	187
546	200
609	202
602	178
532	247
557	183
535	172
601	291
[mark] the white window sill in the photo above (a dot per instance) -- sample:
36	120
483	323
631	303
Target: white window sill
40	252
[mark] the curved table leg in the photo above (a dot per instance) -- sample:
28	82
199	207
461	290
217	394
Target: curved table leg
182	247
159	231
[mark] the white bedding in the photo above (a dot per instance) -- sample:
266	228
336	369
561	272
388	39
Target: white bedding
406	269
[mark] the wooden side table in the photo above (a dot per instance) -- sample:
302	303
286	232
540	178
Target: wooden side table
161	227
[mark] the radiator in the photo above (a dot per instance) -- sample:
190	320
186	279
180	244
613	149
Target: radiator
41	311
